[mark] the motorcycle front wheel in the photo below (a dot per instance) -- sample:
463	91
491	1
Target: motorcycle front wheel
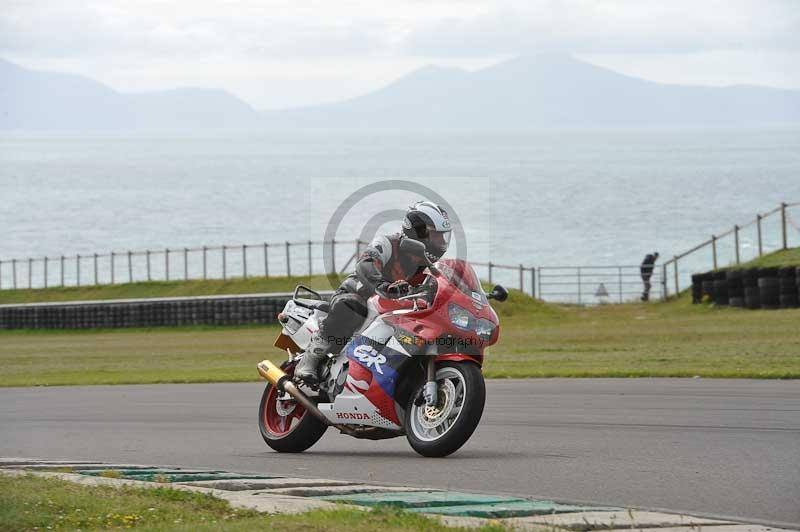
440	430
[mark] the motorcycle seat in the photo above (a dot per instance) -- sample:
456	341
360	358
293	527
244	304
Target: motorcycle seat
314	304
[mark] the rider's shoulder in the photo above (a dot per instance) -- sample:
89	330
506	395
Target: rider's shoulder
384	245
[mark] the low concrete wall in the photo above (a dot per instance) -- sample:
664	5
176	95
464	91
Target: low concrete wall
157	312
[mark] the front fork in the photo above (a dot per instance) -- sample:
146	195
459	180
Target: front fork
430	391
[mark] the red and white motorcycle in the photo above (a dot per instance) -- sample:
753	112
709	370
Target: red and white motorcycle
413	369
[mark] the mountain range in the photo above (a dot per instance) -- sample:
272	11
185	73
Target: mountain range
543	91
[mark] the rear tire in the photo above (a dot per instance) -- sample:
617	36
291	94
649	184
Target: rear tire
294	431
440	435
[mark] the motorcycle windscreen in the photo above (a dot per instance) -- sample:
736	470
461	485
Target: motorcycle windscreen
463	277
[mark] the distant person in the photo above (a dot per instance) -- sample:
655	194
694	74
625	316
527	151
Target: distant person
648	264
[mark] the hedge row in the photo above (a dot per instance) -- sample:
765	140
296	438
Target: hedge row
233	310
753	288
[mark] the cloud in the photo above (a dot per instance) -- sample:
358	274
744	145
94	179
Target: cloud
284	52
626	26
99	28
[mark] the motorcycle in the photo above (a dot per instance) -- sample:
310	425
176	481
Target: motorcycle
413	368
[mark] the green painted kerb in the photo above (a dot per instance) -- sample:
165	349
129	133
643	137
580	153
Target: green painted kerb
173	475
457	503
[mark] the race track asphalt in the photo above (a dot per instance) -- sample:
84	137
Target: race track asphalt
726	447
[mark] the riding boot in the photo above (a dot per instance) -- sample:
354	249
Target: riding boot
308	368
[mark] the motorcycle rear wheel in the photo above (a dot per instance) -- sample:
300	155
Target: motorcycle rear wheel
443	429
286	426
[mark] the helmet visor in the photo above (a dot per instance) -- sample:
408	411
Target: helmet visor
438	242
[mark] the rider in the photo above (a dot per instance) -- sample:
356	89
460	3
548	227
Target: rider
382	268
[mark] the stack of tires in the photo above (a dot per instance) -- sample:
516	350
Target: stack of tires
707	287
736	288
697	288
720	288
753	288
788	287
752	298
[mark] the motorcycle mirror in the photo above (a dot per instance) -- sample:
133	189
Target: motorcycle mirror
498	293
417	249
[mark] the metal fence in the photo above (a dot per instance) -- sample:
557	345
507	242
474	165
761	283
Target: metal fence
571	284
288	259
595	284
291	259
773	230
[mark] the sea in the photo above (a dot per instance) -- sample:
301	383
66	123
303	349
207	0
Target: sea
536	198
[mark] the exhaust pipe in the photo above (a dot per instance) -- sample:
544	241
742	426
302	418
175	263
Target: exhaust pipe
283	383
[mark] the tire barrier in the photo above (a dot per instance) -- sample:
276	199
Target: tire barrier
752	288
163	312
788	296
697	288
707	286
720	288
768	288
752	298
735	288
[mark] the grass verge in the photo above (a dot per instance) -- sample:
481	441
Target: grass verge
251	285
786	257
673	339
31	503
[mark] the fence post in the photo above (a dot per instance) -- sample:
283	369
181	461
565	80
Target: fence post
266	259
714	250
94	266
14	273
78	268
130	266
45	272
677	288
490	272
758	225
309	258
541	295
185	264
579	285
30	272
147	252
736	241
244	261
533	281
61	270
288	261
112	267
205	263
783	226
166	264
521	282
333	255
664	290
224	262
620	283
1	274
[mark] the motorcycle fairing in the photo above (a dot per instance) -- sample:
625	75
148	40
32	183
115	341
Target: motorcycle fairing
374	360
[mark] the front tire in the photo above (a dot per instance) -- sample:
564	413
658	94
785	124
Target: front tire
285	425
441	430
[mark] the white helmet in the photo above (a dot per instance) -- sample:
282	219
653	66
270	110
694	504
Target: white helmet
427	222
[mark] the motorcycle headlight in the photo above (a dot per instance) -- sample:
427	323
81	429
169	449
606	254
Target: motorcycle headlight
459	316
484	329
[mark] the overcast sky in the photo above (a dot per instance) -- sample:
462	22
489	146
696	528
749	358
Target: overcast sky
285	53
